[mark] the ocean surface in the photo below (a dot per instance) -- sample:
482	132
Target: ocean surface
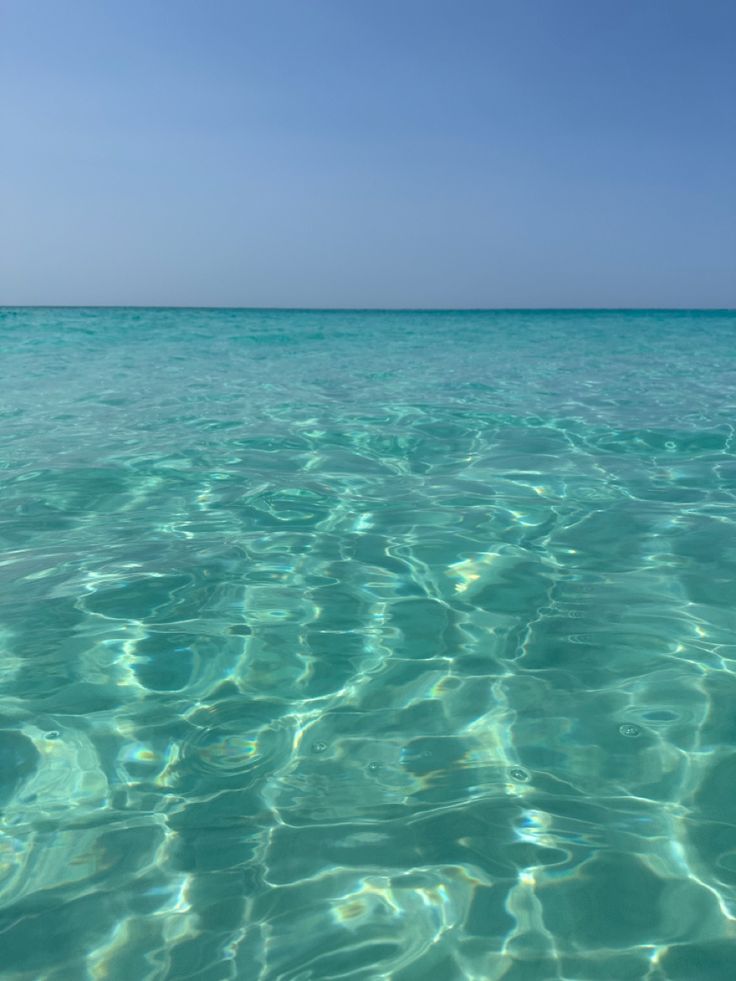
367	645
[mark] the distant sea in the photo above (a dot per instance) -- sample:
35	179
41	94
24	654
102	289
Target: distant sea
367	645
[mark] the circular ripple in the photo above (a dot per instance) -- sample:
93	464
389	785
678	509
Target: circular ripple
630	730
231	752
516	773
236	747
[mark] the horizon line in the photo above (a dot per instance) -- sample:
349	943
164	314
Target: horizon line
341	309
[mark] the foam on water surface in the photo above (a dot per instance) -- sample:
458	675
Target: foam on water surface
367	645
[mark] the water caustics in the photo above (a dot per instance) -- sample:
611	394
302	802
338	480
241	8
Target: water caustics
367	645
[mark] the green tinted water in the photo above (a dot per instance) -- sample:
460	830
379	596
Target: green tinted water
350	645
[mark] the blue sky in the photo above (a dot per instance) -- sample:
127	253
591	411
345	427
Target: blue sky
368	153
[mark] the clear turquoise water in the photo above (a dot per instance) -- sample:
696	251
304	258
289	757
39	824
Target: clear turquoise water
367	645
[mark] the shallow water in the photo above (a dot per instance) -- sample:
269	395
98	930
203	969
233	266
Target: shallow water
367	645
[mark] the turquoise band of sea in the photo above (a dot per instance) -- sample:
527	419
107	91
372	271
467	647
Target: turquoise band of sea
367	645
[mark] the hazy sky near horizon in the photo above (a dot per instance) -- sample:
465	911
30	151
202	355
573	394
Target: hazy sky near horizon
368	153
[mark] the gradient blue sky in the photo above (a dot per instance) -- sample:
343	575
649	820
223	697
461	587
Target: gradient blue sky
369	153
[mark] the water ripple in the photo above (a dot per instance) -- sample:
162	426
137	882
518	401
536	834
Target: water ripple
367	645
